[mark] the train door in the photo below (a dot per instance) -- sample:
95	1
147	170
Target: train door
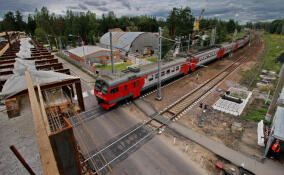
136	88
125	89
194	63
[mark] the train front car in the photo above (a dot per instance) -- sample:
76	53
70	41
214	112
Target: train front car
102	93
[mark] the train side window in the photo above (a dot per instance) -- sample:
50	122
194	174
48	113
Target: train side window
134	84
114	90
168	71
156	75
138	83
150	79
163	73
177	68
173	70
125	87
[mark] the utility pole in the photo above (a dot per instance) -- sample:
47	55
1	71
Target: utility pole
235	35
280	39
159	96
110	38
276	94
213	36
188	43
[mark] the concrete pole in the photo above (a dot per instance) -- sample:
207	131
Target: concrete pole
276	94
83	50
159	96
110	42
188	43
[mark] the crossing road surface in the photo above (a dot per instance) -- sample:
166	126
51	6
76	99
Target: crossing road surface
156	156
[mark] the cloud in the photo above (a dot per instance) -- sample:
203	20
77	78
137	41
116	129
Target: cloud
95	3
125	3
241	10
83	7
104	9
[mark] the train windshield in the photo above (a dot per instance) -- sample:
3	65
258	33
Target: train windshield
101	86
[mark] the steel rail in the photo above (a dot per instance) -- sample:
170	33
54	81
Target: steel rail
161	112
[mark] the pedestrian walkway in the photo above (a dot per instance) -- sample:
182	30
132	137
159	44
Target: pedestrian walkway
237	158
77	72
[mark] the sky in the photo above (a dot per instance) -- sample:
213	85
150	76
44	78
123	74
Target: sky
240	10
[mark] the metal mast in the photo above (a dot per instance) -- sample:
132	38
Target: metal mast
159	95
112	67
213	36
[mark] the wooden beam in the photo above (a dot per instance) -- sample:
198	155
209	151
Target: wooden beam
48	162
80	95
48	86
44	116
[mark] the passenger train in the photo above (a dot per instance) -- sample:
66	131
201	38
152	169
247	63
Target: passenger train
111	89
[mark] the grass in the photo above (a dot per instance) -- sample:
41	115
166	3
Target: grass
152	59
256	111
83	70
119	67
268	59
272	51
239	95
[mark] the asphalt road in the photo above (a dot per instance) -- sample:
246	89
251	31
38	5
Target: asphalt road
154	156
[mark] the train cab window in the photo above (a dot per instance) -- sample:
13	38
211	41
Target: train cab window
177	68
168	71
114	90
125	87
104	89
163	73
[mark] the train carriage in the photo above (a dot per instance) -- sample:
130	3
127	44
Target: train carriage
111	89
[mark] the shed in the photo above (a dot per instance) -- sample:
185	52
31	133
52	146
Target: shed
135	42
277	129
93	54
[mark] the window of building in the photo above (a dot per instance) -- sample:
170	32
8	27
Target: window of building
114	90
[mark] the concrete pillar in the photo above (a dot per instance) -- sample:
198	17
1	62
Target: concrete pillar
65	150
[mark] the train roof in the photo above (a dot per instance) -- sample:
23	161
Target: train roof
117	78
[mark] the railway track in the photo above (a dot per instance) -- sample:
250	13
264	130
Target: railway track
129	141
132	139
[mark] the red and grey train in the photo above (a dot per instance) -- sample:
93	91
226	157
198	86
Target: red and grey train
111	89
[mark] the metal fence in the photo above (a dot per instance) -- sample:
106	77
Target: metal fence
87	67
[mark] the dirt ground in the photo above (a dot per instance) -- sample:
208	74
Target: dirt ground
217	125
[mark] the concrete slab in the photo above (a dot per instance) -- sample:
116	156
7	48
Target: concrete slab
19	132
232	107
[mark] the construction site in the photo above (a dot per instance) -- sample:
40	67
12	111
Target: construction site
212	104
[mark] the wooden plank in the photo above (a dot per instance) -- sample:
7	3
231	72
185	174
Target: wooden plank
44	116
47	158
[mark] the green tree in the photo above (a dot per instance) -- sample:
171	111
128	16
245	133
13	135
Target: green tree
31	25
231	26
9	22
40	35
180	21
20	24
